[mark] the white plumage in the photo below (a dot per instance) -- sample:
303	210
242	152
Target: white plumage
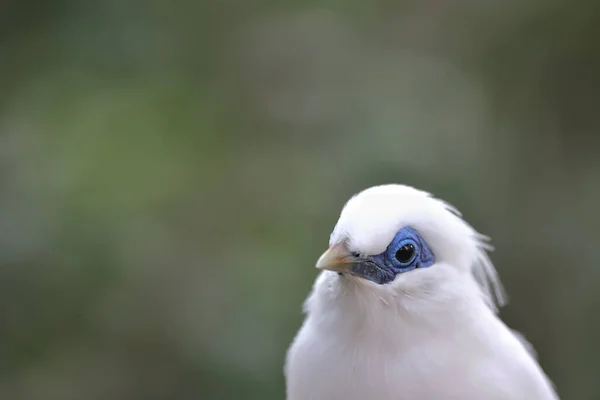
429	334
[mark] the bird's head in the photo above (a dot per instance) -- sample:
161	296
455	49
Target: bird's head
398	239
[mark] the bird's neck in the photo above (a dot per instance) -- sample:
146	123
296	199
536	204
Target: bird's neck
349	308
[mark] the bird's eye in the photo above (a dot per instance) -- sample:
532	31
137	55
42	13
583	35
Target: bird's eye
407	251
405	254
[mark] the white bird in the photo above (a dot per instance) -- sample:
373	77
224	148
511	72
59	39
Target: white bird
405	309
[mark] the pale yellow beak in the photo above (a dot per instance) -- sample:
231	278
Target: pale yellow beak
337	258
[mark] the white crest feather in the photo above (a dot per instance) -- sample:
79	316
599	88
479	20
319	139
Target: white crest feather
488	278
483	269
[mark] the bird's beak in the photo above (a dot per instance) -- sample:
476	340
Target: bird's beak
337	258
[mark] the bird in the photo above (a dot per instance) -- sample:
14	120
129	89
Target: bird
405	307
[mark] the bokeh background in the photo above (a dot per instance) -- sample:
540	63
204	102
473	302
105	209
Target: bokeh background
171	170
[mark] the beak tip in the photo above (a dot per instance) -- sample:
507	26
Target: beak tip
334	259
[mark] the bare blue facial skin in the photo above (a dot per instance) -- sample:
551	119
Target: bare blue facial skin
407	251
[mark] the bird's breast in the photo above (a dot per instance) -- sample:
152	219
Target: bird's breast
328	365
322	367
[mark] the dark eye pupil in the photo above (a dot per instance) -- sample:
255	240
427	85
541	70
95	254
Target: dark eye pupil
405	253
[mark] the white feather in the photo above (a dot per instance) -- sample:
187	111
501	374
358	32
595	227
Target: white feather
431	334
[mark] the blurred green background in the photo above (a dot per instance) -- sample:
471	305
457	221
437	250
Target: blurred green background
171	170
